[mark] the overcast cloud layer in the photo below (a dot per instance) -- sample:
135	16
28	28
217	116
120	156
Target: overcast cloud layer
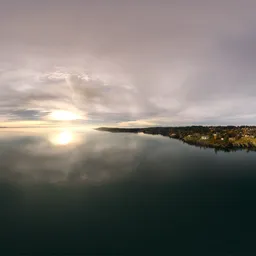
129	63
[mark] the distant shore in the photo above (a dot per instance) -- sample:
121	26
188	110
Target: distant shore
226	138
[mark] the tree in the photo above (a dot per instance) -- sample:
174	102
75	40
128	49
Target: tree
226	138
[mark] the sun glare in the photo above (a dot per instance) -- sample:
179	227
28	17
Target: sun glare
63	138
62	115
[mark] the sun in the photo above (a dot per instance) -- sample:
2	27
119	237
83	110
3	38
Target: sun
62	115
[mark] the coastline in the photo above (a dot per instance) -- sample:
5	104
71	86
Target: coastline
223	138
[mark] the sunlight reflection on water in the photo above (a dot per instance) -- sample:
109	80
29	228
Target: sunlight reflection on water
74	156
64	138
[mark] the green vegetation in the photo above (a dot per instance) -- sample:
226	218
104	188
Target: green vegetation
219	137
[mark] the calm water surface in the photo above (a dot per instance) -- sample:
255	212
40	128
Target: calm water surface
74	192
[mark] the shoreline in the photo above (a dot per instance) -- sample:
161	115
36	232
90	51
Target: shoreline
220	138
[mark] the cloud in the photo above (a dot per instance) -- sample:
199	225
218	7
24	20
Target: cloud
175	62
92	159
75	92
26	115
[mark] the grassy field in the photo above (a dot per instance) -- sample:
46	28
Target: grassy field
235	143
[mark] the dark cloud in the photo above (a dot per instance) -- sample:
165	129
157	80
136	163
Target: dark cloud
27	114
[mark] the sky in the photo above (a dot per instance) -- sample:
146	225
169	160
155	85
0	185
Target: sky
127	63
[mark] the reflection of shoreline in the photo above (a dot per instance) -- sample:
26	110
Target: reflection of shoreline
166	132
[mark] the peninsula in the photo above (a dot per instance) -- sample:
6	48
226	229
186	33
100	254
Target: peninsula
226	138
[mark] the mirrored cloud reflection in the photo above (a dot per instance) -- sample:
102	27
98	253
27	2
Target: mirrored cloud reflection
67	156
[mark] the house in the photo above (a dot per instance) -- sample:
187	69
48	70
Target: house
205	137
